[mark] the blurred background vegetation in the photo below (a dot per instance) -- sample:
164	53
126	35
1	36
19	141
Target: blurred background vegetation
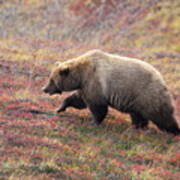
36	143
60	29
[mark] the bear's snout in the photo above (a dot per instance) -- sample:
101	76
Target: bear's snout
48	90
51	89
45	90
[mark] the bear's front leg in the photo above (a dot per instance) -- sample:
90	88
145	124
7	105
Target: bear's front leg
138	121
75	100
99	112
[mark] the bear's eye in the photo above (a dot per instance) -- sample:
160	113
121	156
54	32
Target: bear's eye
64	72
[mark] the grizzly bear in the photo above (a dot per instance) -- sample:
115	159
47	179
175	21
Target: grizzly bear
126	84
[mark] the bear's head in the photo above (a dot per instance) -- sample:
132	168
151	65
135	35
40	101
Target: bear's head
64	77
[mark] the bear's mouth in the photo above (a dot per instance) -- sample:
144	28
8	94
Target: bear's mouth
55	92
50	92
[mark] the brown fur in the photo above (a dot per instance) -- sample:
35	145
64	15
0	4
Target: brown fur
126	84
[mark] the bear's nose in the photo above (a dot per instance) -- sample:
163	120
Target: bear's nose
44	89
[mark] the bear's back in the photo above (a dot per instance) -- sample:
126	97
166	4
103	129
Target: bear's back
112	67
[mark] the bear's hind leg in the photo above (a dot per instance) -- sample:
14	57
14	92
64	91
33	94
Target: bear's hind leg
138	121
74	100
99	112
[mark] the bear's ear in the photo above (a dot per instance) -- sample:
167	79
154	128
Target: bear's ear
64	72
